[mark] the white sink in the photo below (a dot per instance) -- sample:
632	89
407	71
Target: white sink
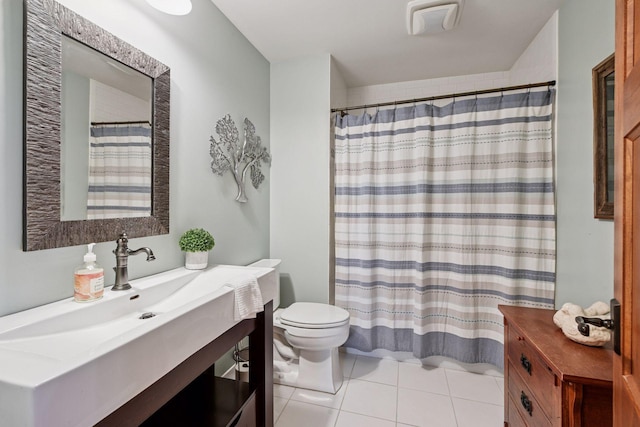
72	364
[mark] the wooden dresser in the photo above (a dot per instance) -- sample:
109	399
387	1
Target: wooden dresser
550	380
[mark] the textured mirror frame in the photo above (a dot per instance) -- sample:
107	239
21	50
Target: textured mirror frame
45	23
603	138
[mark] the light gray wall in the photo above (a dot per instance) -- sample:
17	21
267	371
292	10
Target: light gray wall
210	79
339	89
74	170
300	111
584	244
214	71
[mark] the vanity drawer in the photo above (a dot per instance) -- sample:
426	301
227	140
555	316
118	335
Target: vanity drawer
525	402
247	416
534	372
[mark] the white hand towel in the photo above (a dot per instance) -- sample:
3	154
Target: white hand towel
247	296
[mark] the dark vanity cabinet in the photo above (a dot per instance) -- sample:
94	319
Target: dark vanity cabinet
191	395
209	401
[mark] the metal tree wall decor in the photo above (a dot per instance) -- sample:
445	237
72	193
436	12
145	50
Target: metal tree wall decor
229	154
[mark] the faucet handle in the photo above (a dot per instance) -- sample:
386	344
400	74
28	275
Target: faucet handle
121	244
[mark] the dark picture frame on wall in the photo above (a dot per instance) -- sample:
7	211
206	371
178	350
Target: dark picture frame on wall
603	140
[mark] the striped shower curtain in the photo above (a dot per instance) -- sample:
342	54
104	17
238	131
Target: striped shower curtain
119	170
442	213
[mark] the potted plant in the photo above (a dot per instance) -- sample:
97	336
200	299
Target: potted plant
196	243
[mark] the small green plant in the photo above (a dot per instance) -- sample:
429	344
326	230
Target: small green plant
196	240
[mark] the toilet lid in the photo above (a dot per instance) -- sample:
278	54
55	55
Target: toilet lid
314	315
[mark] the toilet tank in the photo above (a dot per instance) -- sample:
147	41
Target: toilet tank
275	264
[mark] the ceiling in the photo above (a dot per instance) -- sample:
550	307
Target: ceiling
369	41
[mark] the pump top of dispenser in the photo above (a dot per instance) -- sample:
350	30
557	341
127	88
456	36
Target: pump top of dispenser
90	256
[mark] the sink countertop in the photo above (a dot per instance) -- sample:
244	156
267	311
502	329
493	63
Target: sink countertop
69	363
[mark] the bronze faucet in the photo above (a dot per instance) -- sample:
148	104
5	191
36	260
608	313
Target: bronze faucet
122	256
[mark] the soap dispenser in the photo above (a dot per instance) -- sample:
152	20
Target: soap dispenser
89	278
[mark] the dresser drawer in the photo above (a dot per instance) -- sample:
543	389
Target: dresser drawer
565	384
534	372
515	419
526	403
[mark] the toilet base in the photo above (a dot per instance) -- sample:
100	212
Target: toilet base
314	370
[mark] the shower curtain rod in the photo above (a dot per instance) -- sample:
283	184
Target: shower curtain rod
120	123
454	95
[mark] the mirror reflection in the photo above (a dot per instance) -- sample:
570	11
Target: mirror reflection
48	212
106	139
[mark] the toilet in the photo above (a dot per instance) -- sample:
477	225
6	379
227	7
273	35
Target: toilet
306	337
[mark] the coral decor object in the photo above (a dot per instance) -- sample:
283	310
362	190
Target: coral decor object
229	154
565	319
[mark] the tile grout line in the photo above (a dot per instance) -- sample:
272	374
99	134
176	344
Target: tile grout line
339	409
397	390
344	396
349	383
288	399
347	378
453	408
345	391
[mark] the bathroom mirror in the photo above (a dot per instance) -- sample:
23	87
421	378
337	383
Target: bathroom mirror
603	140
105	158
49	27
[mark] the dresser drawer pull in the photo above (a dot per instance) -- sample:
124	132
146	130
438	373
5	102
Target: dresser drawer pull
525	363
526	403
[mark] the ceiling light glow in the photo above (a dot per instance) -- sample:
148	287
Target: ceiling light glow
172	7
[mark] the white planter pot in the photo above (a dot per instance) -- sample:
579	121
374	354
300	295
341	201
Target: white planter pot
196	260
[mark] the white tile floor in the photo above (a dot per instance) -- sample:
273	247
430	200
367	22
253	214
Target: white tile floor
386	393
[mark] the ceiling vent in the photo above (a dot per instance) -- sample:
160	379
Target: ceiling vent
433	16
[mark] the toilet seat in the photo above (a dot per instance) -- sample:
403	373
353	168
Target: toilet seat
278	324
311	315
335	331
